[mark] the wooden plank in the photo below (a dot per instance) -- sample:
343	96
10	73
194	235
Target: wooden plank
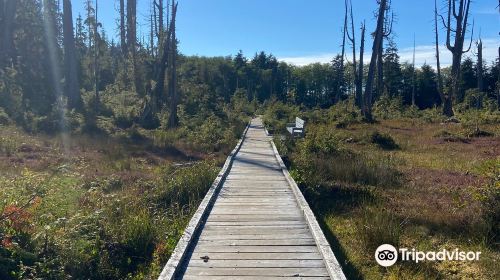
201	254
257	249
280	272
256	263
256	223
248	277
206	235
261	242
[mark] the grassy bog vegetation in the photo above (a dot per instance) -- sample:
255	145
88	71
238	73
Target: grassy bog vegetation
413	178
111	204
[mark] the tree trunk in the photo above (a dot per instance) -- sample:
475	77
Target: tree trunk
123	33
438	64
480	83
340	74
380	70
413	75
457	49
352	38
7	30
96	60
72	87
173	120
132	41
379	32
359	84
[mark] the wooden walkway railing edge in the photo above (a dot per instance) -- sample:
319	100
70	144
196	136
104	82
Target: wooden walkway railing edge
171	268
332	265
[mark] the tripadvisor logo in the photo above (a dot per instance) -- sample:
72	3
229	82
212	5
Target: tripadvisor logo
387	255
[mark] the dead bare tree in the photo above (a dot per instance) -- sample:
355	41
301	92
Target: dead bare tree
72	88
413	75
461	17
173	120
352	39
340	74
132	41
123	31
480	74
359	85
438	64
358	73
157	94
379	33
387	30
96	59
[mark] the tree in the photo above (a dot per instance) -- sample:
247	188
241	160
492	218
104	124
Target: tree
459	31
123	32
379	33
173	119
340	72
7	30
479	66
444	97
72	88
426	88
132	42
148	117
392	69
386	32
468	78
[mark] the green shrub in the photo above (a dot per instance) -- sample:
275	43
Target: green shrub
384	141
320	140
4	118
278	114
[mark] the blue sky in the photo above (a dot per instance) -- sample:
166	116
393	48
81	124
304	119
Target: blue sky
300	31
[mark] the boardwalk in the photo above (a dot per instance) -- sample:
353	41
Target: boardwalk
257	228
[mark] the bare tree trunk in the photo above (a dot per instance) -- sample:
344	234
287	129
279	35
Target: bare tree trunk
413	75
7	28
340	74
89	24
380	71
132	41
352	39
459	31
72	87
160	20
379	32
123	34
157	96
438	64
173	120
96	59
480	83
359	85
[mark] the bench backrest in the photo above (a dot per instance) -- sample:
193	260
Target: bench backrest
299	123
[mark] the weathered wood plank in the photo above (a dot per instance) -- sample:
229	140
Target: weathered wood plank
261	242
280	272
201	254
257	249
241	277
256	263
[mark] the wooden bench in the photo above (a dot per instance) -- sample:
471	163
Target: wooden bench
296	129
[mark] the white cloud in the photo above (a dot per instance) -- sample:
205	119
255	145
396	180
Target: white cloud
423	54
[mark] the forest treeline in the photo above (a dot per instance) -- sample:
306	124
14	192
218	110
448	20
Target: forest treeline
51	66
